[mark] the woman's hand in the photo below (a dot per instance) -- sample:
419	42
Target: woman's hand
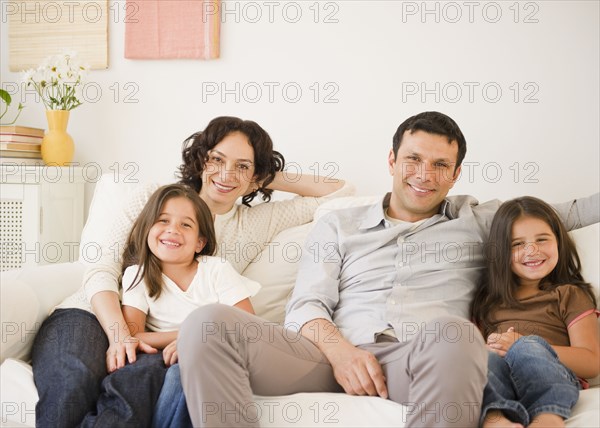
119	350
500	343
170	353
121	344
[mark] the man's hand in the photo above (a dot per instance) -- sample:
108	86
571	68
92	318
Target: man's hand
118	351
357	371
500	343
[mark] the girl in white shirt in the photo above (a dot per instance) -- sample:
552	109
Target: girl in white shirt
169	270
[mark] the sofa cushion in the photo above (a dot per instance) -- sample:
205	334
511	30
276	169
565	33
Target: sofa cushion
18	325
109	200
587	240
275	268
28	296
18	393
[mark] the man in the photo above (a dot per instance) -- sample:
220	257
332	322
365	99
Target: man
381	302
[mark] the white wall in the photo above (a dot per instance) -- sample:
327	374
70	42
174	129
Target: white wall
374	57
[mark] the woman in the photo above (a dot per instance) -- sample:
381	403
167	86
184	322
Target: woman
87	336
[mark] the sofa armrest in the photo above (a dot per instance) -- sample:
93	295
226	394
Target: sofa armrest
27	297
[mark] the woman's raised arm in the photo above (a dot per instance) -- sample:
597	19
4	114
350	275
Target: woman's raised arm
305	185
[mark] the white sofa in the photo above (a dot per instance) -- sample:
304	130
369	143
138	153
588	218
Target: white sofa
29	294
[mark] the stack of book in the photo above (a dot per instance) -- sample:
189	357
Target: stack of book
21	145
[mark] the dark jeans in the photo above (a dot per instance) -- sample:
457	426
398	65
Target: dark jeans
69	371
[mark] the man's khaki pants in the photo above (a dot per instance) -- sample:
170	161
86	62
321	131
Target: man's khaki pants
226	355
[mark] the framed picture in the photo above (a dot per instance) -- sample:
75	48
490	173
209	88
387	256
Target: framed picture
39	28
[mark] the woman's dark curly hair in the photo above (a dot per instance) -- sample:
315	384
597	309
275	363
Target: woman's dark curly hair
266	160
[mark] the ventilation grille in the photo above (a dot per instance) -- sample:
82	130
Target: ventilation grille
11	234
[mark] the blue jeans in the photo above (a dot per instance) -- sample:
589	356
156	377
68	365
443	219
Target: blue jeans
528	381
171	410
69	371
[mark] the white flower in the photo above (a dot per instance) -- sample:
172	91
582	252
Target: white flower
28	75
58	81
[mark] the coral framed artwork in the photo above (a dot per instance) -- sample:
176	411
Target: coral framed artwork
174	29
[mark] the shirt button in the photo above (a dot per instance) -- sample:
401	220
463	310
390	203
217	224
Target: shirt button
400	264
393	302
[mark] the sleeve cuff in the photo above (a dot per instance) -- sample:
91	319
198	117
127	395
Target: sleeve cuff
296	318
588	209
249	290
252	286
102	281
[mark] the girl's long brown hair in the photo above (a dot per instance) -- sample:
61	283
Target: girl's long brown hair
498	288
137	251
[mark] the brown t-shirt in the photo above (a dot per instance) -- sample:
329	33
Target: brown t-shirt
547	314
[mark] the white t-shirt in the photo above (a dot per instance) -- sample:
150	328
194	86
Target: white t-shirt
215	282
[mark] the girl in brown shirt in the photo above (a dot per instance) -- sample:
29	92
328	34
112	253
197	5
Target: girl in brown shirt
539	318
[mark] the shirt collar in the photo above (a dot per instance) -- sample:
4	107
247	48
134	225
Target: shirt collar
376	213
445	209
